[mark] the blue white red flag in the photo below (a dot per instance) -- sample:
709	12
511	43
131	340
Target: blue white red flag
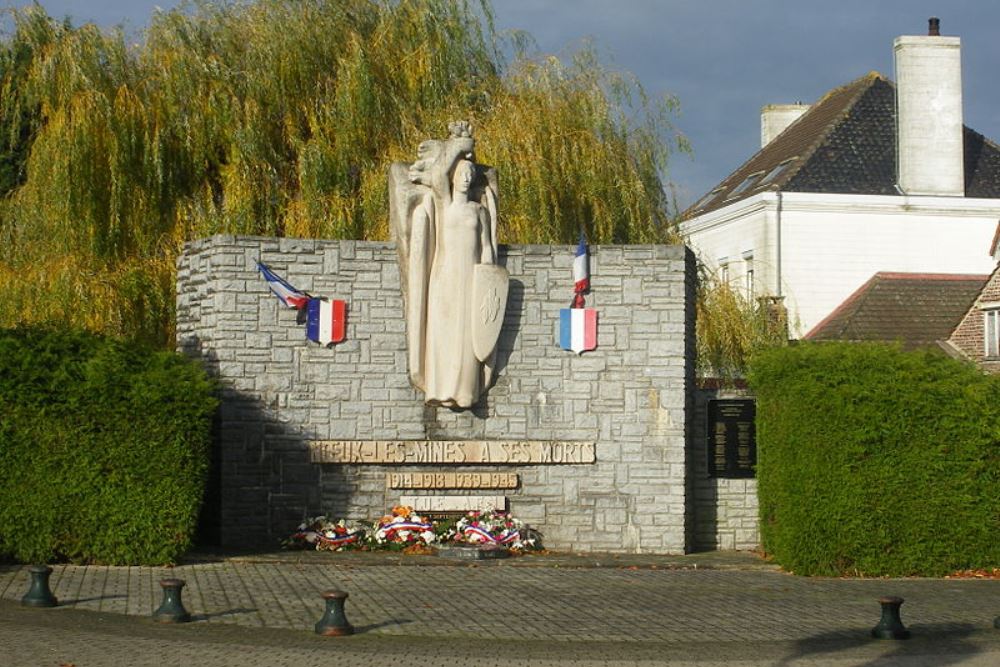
288	295
325	321
578	329
581	272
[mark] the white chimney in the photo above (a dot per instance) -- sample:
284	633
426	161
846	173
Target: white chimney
930	155
774	118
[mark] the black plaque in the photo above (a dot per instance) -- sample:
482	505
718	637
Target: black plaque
732	438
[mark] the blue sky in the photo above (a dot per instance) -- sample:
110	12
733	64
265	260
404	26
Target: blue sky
724	59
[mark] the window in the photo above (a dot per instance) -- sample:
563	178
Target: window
778	171
704	201
724	271
748	276
991	332
747	183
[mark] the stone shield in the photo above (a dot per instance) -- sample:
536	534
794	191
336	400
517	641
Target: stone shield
489	301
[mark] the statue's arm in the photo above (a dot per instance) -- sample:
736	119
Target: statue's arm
421	256
488	252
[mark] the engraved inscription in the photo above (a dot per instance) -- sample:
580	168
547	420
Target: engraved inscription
454	503
451	480
452	451
732	447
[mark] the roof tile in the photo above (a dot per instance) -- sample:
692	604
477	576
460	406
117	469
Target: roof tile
914	308
846	144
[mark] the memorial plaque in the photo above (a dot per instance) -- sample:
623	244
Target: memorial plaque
732	438
452	451
431	504
451	480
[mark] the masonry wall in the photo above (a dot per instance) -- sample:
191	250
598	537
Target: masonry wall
725	512
279	392
969	335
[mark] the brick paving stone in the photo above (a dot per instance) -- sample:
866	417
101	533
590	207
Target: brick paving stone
458	605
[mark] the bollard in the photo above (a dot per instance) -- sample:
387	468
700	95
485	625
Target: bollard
996	622
890	626
38	594
172	609
334	622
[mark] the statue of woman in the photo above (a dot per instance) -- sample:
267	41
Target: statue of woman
444	222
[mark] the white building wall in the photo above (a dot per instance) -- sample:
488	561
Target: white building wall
822	247
732	239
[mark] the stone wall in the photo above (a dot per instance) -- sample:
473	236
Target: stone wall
969	336
279	392
725	510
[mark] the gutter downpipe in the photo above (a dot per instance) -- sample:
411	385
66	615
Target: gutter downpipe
778	239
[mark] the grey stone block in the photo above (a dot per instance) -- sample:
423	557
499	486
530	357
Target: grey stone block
360	389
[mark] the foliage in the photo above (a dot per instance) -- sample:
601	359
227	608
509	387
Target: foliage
876	461
402	528
492	528
405	530
732	328
103	448
280	118
323	534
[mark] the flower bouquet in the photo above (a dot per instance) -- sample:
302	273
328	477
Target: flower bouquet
323	535
403	528
492	529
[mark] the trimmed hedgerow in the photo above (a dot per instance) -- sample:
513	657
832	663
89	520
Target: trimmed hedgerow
876	461
103	448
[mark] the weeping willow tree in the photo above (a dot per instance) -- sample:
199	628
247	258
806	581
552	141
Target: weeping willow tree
280	117
732	328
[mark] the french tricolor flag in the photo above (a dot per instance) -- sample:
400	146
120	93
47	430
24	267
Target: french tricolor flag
581	272
578	329
325	321
290	296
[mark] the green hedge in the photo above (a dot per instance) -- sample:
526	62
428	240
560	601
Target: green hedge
103	449
876	461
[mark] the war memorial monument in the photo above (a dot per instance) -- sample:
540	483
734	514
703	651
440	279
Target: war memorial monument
449	390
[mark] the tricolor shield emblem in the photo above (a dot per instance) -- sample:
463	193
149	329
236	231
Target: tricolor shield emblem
578	329
326	321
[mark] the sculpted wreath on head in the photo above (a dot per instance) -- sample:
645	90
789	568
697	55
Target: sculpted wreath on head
443	214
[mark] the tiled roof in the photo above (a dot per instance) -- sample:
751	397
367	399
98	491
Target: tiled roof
845	143
916	309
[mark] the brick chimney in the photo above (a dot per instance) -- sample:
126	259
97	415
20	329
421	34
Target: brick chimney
930	154
774	118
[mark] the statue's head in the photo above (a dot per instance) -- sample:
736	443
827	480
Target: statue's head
463	175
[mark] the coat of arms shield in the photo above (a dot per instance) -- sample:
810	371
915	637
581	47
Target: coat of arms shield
489	301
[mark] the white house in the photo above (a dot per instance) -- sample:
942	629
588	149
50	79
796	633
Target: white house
873	177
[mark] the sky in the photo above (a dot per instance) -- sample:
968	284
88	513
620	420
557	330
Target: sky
722	59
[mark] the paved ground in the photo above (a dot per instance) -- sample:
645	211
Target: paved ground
584	610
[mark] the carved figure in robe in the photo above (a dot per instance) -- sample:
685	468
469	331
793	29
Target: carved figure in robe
443	214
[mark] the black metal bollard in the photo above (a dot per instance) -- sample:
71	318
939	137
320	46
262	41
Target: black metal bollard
171	609
996	622
39	594
334	622
890	626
